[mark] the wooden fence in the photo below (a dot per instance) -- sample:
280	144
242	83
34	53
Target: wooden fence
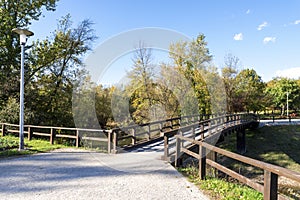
271	172
75	134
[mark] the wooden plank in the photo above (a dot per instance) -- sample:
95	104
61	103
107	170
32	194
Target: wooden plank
193	154
41	134
13	131
94	139
66	136
270	186
202	162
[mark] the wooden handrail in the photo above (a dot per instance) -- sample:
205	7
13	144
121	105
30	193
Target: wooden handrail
271	172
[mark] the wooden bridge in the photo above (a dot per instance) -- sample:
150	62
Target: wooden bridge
173	139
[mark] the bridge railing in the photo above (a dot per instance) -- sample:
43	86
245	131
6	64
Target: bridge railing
129	136
122	137
206	129
271	172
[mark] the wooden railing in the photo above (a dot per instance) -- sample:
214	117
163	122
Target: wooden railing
126	137
208	129
118	137
271	172
75	134
129	136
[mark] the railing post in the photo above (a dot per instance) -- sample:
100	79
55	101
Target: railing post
166	147
202	162
209	127
270	186
149	132
29	133
202	131
212	156
115	141
3	130
193	132
109	141
133	140
77	138
177	154
52	135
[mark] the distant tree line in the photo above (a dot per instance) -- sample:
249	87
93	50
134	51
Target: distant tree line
188	84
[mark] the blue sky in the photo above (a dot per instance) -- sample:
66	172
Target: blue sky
264	35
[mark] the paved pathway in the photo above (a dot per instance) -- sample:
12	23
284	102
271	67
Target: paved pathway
279	122
77	174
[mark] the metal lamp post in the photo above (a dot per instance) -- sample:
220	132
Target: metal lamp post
24	34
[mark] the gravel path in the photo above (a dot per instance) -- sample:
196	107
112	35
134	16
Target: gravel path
78	174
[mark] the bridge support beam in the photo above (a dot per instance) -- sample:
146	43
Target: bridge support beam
241	141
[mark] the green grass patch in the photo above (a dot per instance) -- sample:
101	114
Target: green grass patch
278	145
221	189
9	146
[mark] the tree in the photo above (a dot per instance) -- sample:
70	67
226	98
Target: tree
142	88
191	59
15	14
279	88
249	91
54	70
229	72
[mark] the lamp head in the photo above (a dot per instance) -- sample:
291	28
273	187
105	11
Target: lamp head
24	34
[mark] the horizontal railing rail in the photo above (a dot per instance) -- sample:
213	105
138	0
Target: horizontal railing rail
271	172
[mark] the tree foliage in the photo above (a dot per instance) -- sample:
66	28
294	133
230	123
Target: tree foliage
279	88
15	14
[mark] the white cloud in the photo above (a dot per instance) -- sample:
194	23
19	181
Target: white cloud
269	39
297	22
262	26
238	37
289	73
248	11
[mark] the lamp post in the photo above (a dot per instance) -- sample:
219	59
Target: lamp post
24	34
287	104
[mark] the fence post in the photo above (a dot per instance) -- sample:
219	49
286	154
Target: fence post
202	162
211	170
115	141
166	147
133	140
177	153
3	130
193	132
270	186
202	131
109	141
52	135
149	133
77	138
29	133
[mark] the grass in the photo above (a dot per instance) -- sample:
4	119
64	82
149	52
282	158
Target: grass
278	145
219	188
9	146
